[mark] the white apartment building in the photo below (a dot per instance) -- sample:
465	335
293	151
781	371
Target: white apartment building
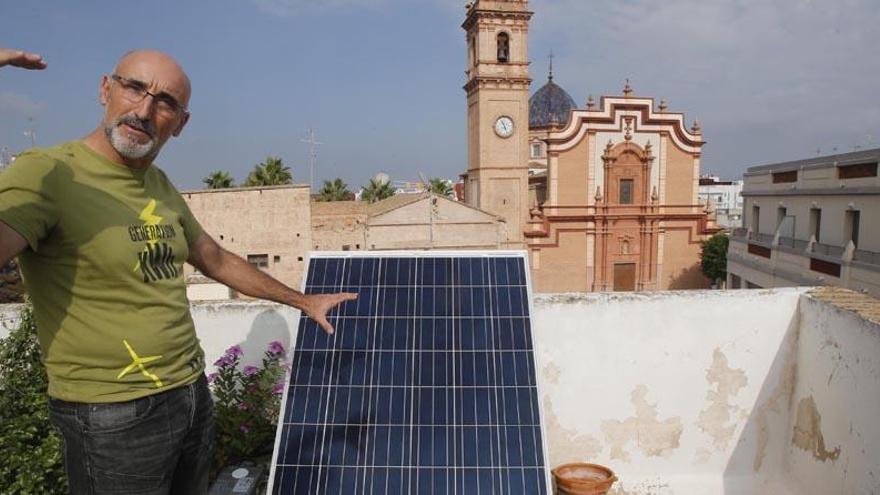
727	198
810	222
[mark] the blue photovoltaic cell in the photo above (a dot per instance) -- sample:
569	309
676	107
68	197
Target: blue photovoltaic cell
427	386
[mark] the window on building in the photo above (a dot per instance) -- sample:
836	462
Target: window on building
626	191
536	150
816	223
503	48
852	221
258	260
781	213
346	247
276	259
782	177
857	171
756	219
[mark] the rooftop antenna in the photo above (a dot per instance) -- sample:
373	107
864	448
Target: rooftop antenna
31	132
550	77
313	155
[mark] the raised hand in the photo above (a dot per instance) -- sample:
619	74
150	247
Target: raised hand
19	58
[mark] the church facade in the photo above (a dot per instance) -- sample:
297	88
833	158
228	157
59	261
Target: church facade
603	197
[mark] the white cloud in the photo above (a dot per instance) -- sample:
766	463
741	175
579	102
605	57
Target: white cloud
803	70
21	104
286	8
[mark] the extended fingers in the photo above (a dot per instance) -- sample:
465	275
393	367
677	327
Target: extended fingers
22	59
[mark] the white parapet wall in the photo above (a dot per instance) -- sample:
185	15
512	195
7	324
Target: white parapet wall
680	393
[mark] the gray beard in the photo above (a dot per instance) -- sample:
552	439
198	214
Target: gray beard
125	146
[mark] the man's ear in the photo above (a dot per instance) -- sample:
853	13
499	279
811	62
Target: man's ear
183	121
104	90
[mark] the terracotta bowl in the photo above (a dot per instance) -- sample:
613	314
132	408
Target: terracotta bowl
581	478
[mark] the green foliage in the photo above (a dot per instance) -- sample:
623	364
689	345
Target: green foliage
441	187
219	179
271	172
713	257
246	403
31	460
335	190
376	191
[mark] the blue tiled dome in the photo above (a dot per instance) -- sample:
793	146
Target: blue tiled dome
550	105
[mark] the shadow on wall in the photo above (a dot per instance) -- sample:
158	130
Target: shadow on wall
759	454
267	327
689	278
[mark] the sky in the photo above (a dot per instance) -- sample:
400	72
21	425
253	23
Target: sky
380	81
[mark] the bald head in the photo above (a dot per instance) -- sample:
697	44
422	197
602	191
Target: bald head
146	101
151	66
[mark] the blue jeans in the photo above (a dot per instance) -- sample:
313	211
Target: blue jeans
158	444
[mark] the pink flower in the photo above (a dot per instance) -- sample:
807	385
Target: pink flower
244	429
278	388
250	370
212	377
234	351
276	348
224	361
242	406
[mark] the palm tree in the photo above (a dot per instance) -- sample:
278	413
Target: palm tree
335	190
440	187
219	179
269	173
376	190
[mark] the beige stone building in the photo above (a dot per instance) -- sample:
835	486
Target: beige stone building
404	221
606	197
274	228
810	222
270	227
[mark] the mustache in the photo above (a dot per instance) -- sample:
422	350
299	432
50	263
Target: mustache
141	125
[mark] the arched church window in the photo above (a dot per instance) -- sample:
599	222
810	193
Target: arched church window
626	192
503	48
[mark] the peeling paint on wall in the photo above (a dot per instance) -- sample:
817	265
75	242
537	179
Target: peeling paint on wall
566	444
551	373
783	391
650	487
652	437
808	432
719	419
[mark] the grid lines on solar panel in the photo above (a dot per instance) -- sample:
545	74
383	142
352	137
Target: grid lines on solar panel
427	385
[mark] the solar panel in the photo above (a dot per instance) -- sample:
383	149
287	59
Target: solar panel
427	386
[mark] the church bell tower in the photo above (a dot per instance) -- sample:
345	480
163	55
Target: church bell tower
498	111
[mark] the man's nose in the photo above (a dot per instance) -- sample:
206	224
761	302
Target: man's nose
145	108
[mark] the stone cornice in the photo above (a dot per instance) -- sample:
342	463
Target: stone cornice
500	82
476	15
610	116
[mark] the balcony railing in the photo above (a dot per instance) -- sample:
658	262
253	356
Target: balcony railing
828	250
869	257
793	243
762	238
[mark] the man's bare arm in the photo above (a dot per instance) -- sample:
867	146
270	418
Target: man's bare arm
11	243
19	58
231	270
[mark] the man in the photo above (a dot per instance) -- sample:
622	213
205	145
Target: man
18	58
102	236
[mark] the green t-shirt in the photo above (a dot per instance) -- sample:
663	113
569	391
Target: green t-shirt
104	269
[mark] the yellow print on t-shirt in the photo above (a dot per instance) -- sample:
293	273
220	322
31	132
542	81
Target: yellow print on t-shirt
140	362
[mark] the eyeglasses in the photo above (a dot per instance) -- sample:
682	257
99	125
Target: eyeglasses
135	91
